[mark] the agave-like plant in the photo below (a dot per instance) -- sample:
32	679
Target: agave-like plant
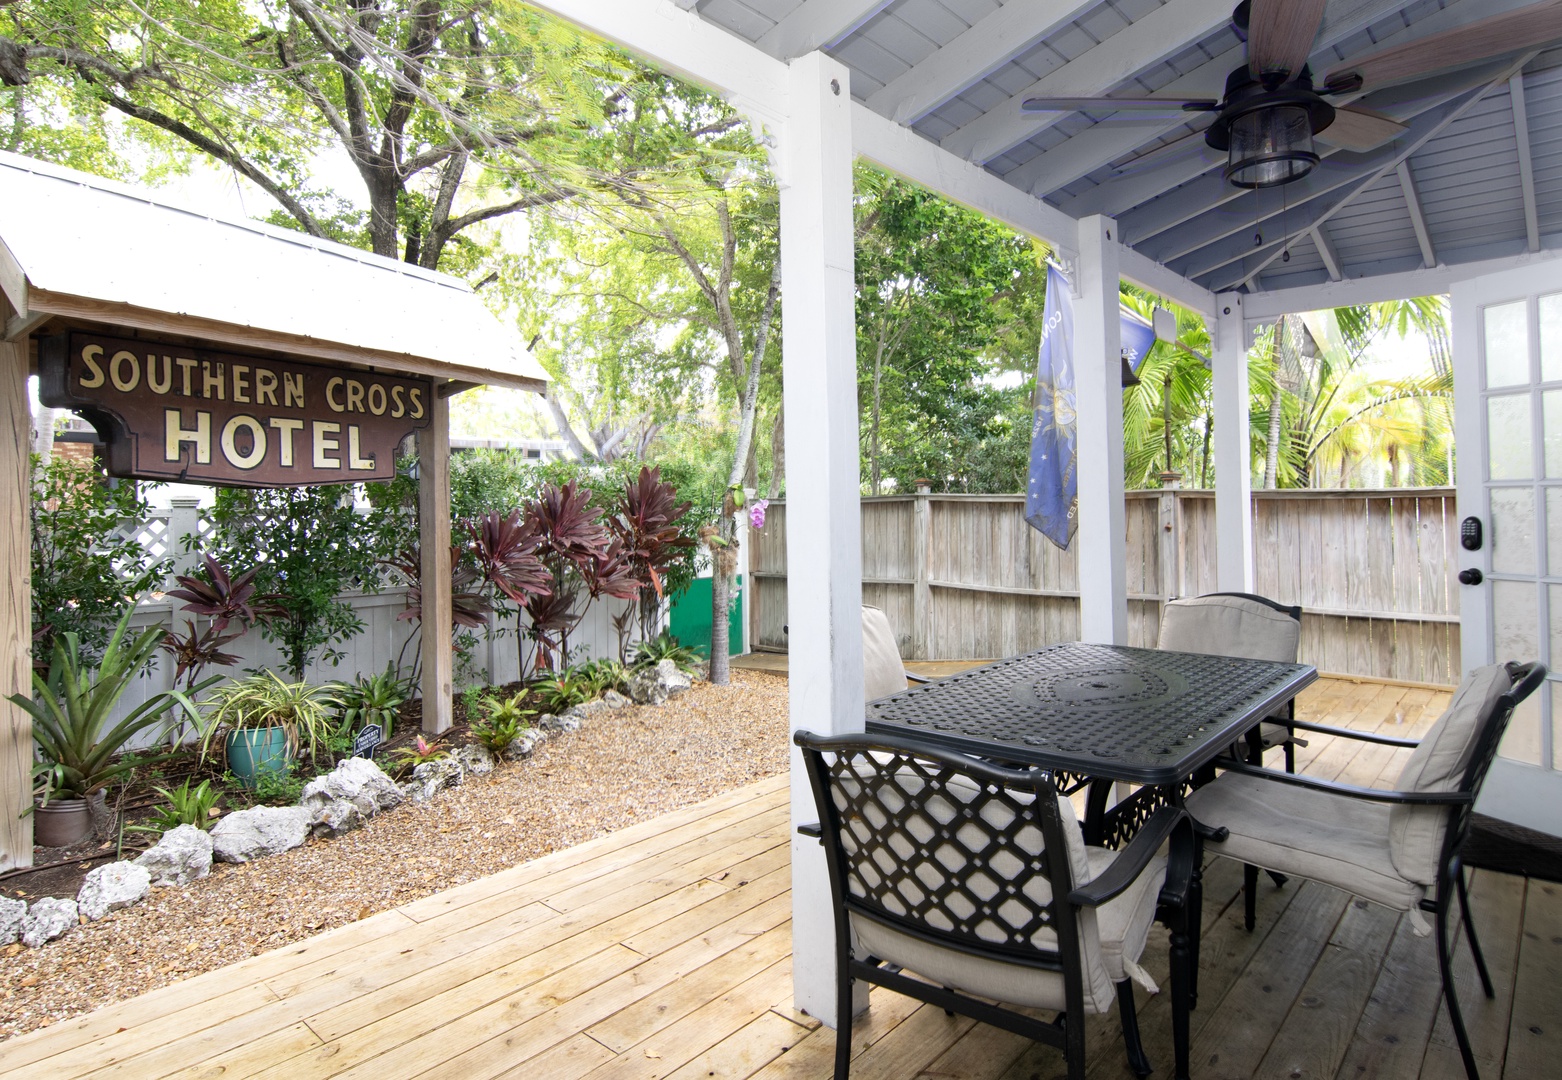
71	707
265	700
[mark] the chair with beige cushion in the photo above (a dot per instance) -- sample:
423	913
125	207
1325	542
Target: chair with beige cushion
1246	625
1397	848
883	673
954	879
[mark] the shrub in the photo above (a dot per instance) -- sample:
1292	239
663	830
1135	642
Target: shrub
371	700
665	647
265	700
183	806
504	723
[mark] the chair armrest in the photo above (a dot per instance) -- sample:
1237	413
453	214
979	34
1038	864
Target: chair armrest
1413	798
811	829
1347	733
917	678
1131	860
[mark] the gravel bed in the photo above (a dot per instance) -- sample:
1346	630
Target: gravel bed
620	768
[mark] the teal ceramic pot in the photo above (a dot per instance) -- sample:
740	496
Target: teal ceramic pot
252	752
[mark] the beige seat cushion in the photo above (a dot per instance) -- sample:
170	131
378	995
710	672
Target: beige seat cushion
1333	839
1118	929
882	672
1229	626
1438	764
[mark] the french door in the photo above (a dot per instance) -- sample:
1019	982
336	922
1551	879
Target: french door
1508	434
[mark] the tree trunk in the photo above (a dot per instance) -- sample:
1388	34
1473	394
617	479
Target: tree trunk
1272	449
720	659
778	453
873	431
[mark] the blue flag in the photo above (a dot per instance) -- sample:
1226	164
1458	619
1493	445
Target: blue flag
1053	485
1049	496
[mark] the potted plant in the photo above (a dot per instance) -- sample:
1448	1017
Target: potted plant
265	721
71	707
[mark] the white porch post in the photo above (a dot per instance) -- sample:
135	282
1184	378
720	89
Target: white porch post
823	507
1098	403
1232	451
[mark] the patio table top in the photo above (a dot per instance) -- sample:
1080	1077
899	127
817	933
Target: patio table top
1144	716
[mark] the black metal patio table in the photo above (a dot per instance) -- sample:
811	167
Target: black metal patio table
1098	714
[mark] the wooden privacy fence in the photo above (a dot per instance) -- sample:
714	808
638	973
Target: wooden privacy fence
964	577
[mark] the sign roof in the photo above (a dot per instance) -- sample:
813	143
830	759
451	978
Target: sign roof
76	235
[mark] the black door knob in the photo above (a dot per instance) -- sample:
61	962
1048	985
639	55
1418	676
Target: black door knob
1472	576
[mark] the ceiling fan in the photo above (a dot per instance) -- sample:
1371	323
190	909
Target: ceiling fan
1271	112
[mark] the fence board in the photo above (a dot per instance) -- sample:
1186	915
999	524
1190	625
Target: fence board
1371	570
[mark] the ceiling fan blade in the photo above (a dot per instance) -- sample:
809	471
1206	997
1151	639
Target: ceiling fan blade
1169	106
1517	31
1280	34
1359	129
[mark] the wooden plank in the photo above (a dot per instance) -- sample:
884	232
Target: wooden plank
16	729
813	1057
748	1050
1391	1037
1535	1031
569	1060
434	544
1317	1033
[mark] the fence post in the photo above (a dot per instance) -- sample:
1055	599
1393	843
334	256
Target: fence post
1169	546
184	519
921	594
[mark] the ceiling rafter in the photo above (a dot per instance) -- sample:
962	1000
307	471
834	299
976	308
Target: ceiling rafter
1526	166
1323	216
1407	187
1095	147
818	24
986	46
1151	39
1327	252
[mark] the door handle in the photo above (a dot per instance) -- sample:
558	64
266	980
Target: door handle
1471	576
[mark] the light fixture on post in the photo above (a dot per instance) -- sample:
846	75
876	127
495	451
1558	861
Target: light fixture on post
1267	132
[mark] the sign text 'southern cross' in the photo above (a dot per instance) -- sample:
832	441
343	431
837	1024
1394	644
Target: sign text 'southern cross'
179	412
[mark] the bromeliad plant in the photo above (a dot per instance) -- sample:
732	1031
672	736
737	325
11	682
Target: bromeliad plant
71	708
664	646
504	723
183	805
421	751
374	700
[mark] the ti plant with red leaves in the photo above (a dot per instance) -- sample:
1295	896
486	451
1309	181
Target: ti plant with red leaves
648	527
225	601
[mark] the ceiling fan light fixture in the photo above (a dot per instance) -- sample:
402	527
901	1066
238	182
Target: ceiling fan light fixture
1270	146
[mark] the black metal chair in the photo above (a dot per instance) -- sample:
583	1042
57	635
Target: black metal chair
1247	625
1397	848
977	879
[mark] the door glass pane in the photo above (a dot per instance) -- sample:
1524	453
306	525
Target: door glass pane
1521	742
1515	620
1551	337
1507	345
1555	661
1551	407
1513	531
1508	437
1554	531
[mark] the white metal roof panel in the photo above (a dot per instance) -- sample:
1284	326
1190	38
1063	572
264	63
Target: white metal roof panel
79	235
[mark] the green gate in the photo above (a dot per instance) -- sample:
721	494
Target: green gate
689	617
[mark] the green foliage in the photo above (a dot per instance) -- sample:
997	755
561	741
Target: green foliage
601	675
375	699
410	757
472	700
265	700
308	545
182	805
504	722
665	647
84	573
559	692
72	706
281	788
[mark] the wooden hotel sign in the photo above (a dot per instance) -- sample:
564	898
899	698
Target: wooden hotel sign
174	412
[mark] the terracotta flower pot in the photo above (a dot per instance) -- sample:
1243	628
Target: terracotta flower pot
61	823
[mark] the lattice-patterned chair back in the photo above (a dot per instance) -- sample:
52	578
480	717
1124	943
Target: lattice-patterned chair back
930	855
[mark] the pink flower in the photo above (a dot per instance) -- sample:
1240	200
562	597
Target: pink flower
756	514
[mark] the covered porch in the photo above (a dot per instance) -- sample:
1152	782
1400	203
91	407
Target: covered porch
665	950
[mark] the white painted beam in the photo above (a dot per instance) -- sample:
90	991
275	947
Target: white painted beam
674	39
900	150
818	24
1325	246
1152	38
824	501
1100	542
1232	449
1526	165
1095	147
986	46
1407	187
1160	279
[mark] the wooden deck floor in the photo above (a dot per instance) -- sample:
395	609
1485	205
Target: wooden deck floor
663	951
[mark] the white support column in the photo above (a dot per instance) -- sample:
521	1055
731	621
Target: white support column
1233	454
823	506
1098	404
